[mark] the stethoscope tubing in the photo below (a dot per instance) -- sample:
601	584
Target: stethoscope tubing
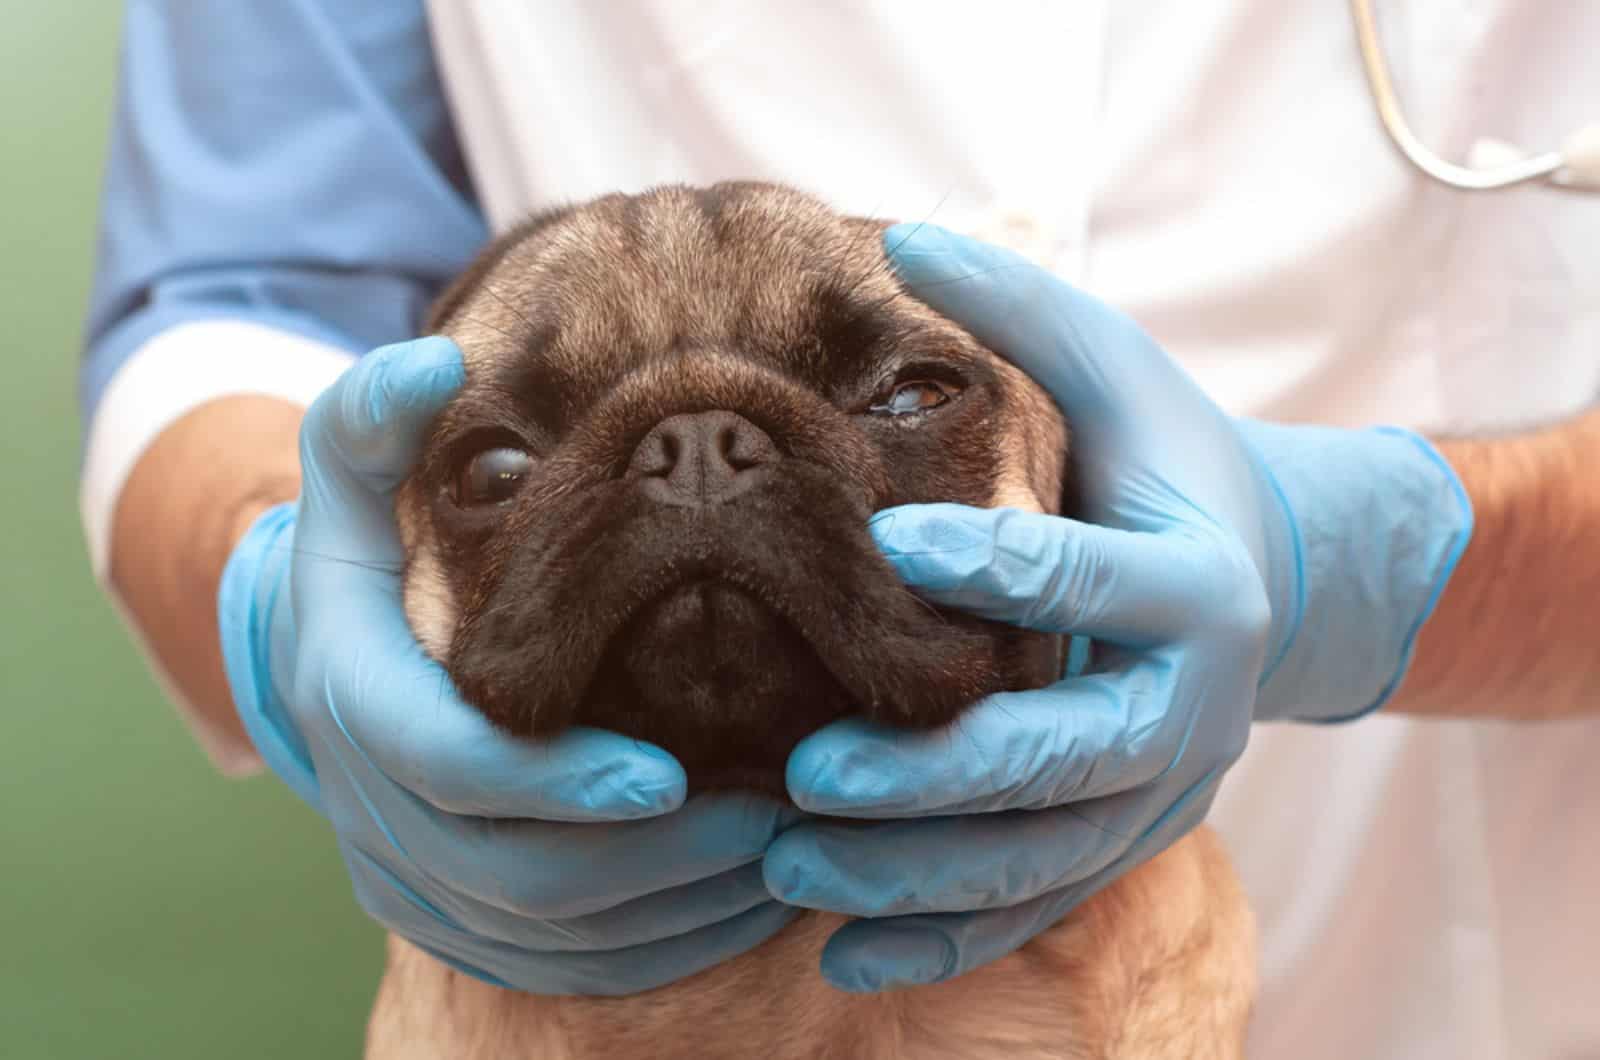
1540	167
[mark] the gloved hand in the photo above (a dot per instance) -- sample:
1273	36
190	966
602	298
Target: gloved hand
1226	571
483	850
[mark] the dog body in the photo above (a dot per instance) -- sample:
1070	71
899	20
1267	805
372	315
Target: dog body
646	511
1158	966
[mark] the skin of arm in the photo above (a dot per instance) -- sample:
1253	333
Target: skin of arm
1513	635
188	501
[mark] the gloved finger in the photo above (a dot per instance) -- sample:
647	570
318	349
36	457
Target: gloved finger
1118	388
360	439
1082	738
1026	314
870	955
1048	573
529	867
896	868
401	895
604	973
664	914
400	717
373	419
552	869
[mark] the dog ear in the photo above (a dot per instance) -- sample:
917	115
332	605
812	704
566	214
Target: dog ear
450	299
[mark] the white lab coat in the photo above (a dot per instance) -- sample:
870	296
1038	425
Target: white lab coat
1425	890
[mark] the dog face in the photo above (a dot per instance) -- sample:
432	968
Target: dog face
647	508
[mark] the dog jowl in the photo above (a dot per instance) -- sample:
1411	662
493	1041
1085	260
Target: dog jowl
647	509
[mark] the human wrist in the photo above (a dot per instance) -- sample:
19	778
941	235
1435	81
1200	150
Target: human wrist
1512	635
1380	520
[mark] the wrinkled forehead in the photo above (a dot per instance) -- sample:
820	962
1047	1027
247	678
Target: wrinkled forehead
577	299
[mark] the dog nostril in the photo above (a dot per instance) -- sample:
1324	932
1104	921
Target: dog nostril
733	454
701	457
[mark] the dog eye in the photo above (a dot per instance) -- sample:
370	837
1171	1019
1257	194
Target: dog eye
917	395
492	477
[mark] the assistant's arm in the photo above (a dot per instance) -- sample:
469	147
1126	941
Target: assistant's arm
1516	633
192	495
283	191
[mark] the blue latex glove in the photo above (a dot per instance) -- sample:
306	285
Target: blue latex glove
1226	571
481	849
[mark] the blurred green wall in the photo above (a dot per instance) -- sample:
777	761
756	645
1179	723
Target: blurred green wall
148	907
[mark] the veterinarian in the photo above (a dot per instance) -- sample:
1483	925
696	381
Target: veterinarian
288	186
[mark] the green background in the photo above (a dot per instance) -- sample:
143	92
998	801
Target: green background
148	907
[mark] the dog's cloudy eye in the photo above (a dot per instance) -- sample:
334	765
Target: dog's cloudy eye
918	395
492	476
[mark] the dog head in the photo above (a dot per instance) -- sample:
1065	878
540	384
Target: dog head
647	508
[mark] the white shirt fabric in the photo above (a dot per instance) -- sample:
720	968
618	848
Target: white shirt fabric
1425	890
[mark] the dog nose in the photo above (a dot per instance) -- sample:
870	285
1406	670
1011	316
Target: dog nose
701	458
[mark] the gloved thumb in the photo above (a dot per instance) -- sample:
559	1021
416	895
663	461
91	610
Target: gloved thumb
1007	302
363	436
370	423
1102	369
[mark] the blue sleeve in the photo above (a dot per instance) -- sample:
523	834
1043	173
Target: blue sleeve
287	162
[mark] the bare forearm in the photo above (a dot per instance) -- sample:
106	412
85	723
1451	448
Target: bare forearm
1517	631
190	498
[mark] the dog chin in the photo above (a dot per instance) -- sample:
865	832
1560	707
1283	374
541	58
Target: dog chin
717	674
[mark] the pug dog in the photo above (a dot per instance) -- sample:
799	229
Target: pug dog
646	511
